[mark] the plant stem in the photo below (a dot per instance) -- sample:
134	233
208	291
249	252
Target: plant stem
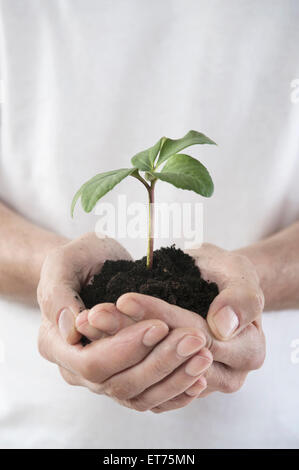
150	240
151	217
139	178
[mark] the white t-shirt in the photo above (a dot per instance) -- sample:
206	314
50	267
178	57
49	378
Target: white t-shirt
85	85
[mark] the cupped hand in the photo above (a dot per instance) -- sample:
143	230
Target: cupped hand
232	360
65	270
234	316
240	300
143	366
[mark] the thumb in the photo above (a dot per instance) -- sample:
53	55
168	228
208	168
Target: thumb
61	305
233	309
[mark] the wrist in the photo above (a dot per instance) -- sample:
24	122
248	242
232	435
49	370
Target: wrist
47	242
26	283
265	263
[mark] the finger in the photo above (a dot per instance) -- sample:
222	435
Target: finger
194	391
181	380
102	320
101	359
240	300
55	349
176	349
114	354
140	306
107	318
76	380
174	404
61	305
243	352
83	326
197	388
224	379
182	400
234	308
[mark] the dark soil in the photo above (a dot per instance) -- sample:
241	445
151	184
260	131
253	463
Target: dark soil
174	278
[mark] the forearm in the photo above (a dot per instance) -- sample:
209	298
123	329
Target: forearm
23	248
276	260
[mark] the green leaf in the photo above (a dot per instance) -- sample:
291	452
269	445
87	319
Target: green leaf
186	172
95	188
75	199
145	160
170	146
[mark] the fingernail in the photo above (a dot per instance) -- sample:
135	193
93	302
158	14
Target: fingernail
189	345
197	365
155	334
226	322
104	321
131	307
66	323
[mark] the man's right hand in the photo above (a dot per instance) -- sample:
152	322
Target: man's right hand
143	365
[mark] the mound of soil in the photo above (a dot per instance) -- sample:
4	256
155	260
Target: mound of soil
174	278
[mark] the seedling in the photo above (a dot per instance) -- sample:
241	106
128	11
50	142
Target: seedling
179	169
